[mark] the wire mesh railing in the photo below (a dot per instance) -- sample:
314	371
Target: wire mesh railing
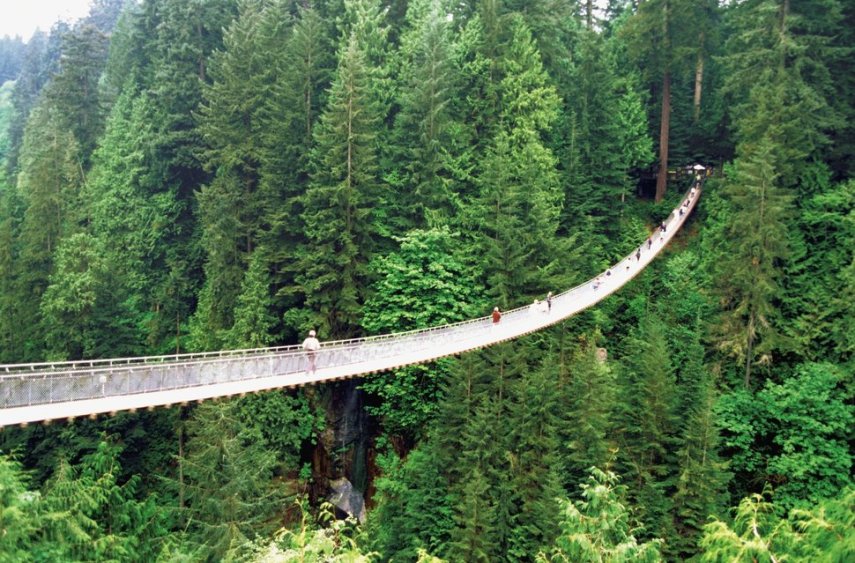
54	383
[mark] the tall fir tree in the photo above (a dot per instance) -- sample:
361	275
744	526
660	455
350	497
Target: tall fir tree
345	188
85	310
254	319
74	91
534	461
233	208
288	120
426	136
647	426
517	211
587	400
603	143
749	275
48	185
229	496
779	81
703	473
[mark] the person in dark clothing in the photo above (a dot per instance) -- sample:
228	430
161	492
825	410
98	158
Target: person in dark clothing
549	302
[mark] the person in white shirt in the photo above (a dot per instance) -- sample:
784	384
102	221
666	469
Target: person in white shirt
311	345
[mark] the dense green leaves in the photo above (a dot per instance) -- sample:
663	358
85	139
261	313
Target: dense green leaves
598	528
229	173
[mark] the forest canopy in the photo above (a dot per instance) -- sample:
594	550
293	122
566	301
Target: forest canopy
223	174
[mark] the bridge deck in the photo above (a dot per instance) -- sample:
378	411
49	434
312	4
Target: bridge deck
48	391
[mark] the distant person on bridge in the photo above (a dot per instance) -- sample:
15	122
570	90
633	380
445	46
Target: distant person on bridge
311	346
549	302
497	315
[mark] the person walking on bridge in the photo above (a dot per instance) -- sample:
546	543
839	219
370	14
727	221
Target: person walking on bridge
311	346
497	315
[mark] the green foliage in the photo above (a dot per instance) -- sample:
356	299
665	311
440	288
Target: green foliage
286	421
607	136
758	534
135	218
534	463
73	90
254	321
703	474
87	514
778	78
414	506
226	492
827	528
793	434
810	422
234	208
598	528
84	312
586	431
824	533
18	512
647	426
426	134
5	116
48	187
338	206
818	311
426	283
748	277
325	539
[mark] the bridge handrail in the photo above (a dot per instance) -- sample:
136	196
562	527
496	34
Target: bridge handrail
111	365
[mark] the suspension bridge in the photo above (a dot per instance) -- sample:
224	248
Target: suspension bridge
67	390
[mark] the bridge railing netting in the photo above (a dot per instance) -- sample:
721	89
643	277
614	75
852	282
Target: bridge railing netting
48	383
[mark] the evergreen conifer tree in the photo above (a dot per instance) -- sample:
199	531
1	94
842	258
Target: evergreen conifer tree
19	517
338	207
587	401
648	426
48	185
750	272
426	134
471	540
254	321
534	467
702	476
74	91
230	496
599	527
516	215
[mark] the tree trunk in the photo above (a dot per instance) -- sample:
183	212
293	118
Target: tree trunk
749	352
589	14
665	124
181	469
699	79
